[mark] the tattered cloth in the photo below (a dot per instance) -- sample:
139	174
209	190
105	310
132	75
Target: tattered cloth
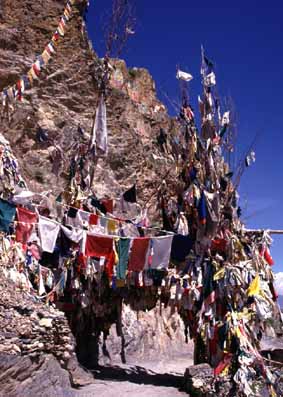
26	220
7	214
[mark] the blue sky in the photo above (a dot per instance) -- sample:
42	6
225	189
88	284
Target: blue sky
245	41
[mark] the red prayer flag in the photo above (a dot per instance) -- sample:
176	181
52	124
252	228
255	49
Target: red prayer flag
218	245
24	230
98	246
268	257
55	36
108	204
35	69
19	88
109	266
138	254
226	361
93	219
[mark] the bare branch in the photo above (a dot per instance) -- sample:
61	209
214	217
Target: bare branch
119	27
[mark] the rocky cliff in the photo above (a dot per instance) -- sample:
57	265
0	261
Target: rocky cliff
65	97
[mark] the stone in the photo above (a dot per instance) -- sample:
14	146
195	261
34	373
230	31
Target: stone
46	322
198	380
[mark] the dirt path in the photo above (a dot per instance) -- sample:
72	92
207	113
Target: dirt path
149	379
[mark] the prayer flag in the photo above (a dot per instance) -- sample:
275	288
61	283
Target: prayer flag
254	287
123	248
7	214
98	246
48	232
130	195
100	133
138	254
184	76
210	80
24	228
225	119
161	247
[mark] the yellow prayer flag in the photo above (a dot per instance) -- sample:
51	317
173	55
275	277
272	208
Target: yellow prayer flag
115	253
30	77
61	30
238	332
225	371
67	14
10	92
120	283
272	391
112	226
220	274
254	287
45	56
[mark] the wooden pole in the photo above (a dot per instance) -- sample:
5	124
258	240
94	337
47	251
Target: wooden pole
270	231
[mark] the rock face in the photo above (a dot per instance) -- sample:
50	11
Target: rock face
158	333
20	376
66	96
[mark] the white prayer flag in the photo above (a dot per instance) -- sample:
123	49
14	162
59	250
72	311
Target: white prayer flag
50	47
225	118
130	30
252	155
184	76
161	252
41	288
75	235
100	133
48	232
210	80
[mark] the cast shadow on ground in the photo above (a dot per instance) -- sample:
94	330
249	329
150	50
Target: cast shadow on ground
139	375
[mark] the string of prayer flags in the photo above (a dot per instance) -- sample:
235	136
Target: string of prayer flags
25	82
